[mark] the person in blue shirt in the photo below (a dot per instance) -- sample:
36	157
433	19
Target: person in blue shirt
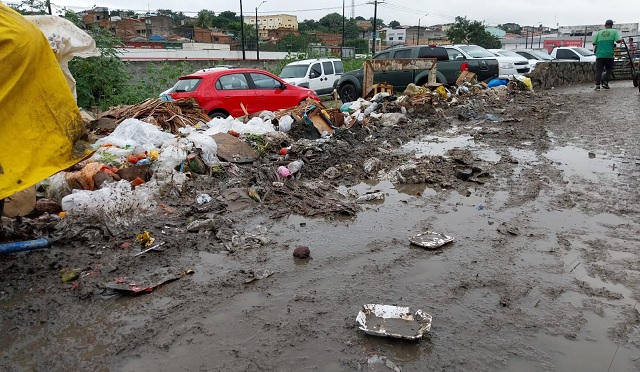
604	43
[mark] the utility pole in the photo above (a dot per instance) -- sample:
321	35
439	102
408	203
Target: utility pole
419	19
375	19
257	33
244	57
342	49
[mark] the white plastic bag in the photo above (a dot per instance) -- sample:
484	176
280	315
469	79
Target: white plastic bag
135	133
67	41
285	123
254	126
207	145
116	204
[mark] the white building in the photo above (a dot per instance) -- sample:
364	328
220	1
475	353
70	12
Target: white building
395	36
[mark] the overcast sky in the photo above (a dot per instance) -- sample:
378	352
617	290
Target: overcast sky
407	12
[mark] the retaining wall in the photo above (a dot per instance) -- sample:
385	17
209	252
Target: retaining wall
547	75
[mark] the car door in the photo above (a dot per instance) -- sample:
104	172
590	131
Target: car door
328	77
315	73
235	91
271	93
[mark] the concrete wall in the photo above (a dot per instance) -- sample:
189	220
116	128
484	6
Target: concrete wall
555	74
139	70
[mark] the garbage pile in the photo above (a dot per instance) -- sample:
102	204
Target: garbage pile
156	147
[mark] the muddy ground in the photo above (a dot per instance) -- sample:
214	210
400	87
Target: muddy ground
544	273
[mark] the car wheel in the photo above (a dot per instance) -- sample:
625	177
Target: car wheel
221	114
348	93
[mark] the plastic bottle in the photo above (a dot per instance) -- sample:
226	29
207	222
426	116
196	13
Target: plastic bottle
295	166
373	107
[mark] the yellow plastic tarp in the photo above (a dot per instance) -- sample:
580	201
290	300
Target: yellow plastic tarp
40	124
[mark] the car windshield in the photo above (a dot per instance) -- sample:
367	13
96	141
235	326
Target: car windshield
186	85
475	51
295	71
583	52
508	53
541	55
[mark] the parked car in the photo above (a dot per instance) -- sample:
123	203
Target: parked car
575	54
520	64
316	74
534	56
221	91
349	86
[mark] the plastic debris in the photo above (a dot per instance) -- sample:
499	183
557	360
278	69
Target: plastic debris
430	240
203	198
393	321
376	195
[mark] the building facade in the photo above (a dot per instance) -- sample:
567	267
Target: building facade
272	22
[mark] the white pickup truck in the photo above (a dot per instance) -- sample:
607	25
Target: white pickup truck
575	54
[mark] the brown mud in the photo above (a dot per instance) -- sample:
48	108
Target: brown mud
544	273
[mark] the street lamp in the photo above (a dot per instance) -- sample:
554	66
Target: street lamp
419	19
242	31
257	33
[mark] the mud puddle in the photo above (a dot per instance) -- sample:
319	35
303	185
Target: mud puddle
505	284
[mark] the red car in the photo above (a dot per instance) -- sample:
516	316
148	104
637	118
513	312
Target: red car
220	91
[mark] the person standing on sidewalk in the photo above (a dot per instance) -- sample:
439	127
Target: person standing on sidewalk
604	44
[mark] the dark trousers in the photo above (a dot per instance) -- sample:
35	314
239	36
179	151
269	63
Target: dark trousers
603	65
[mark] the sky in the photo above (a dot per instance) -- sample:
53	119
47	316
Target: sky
549	13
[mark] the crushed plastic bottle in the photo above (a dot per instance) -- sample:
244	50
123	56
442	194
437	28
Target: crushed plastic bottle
373	107
295	166
379	195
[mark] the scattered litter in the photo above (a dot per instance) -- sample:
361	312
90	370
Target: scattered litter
68	275
377	363
232	149
464	174
168	115
254	275
430	240
203	198
145	239
152	248
144	284
374	195
393	321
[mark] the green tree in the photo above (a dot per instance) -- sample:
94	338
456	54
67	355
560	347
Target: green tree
394	24
122	13
464	31
351	30
379	22
226	18
331	22
177	17
308	25
30	7
205	18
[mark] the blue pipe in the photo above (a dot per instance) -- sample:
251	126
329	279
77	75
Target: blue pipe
28	245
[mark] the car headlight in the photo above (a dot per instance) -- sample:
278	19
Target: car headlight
506	65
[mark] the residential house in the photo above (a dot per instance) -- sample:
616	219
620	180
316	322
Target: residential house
272	22
158	25
395	36
94	16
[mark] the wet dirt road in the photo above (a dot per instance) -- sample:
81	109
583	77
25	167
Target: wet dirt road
544	274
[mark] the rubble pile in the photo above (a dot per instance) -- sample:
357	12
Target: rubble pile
290	161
